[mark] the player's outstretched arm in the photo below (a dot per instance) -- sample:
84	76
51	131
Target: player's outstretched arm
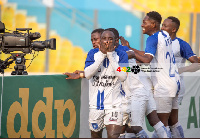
78	71
124	42
81	73
193	59
72	75
146	58
191	68
91	65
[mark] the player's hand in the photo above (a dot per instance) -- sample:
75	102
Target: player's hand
198	59
72	75
124	42
98	46
111	48
78	72
103	49
111	45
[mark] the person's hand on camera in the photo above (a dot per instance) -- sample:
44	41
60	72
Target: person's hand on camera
72	75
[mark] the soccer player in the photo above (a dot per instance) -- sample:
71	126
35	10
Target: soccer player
137	109
95	39
104	86
159	54
182	52
139	87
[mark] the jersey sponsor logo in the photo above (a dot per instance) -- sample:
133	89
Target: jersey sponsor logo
105	81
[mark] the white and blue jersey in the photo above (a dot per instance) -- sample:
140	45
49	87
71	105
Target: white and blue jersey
135	84
164	74
182	52
104	79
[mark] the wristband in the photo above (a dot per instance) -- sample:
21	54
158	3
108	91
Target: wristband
82	75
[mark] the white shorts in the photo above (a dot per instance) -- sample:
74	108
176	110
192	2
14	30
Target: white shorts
138	109
98	119
181	93
163	104
151	104
175	102
126	112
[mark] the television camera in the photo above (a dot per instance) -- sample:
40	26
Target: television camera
22	44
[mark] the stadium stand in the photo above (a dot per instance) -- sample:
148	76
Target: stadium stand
59	59
178	8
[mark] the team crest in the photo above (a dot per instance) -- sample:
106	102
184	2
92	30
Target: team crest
95	126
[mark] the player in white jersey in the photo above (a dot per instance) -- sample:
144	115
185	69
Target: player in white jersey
95	39
138	89
159	54
138	105
182	52
104	86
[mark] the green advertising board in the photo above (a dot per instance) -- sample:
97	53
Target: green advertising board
40	106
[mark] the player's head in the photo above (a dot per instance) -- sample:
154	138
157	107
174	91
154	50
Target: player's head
116	33
151	23
95	37
171	25
107	39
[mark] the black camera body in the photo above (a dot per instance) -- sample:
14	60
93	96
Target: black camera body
23	42
17	41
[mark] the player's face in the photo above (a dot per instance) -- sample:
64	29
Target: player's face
168	26
107	39
95	39
147	25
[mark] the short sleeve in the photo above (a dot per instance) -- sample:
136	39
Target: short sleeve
151	45
185	49
90	57
123	58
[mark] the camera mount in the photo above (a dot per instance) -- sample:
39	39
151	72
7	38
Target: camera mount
20	64
15	42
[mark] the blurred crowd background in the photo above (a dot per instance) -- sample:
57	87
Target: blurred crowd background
72	21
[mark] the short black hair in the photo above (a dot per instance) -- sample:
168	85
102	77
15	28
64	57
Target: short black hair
115	31
99	30
176	21
155	16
